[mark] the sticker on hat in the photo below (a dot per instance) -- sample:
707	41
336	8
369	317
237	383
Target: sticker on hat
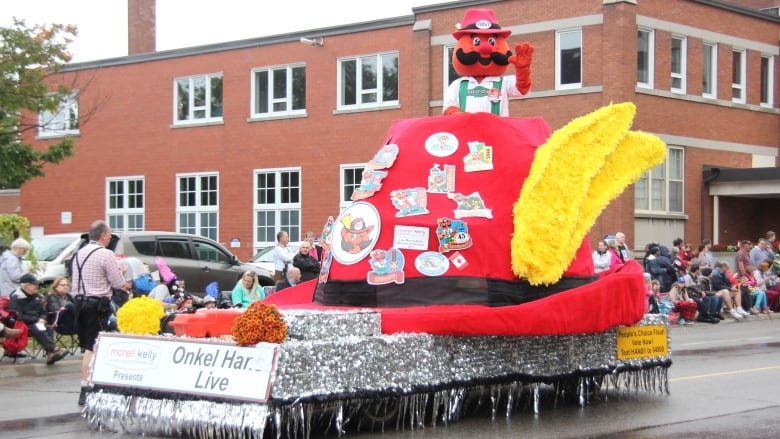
373	173
355	233
441	144
441	179
479	158
387	266
469	205
452	235
431	264
409	201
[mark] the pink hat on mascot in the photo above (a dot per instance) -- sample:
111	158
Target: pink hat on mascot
480	21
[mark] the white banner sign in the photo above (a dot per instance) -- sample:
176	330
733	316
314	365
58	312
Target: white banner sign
189	366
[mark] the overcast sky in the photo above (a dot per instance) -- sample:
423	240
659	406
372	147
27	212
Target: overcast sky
102	24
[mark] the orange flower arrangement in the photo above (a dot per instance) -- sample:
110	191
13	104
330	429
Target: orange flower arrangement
260	322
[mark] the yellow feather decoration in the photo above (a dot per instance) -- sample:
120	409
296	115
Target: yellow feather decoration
140	315
552	195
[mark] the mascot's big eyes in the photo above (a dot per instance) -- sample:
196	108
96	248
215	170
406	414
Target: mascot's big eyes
477	41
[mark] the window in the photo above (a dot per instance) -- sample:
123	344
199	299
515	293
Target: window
709	80
206	251
661	188
767	81
125	203
279	90
277	205
678	64
368	81
351	176
197	206
568	60
449	71
738	68
644	58
62	121
198	99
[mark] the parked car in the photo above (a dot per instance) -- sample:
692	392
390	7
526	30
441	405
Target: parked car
52	253
198	260
264	258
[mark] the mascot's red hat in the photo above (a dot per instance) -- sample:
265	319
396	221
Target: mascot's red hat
480	21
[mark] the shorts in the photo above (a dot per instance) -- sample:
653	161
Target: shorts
92	313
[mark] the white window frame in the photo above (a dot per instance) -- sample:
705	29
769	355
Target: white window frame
661	175
680	75
559	59
766	95
650	58
739	87
206	108
377	92
713	73
119	218
447	51
344	199
277	209
286	100
199	210
64	121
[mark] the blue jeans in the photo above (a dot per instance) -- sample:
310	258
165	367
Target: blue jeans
716	304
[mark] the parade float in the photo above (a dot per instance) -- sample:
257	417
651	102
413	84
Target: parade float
461	276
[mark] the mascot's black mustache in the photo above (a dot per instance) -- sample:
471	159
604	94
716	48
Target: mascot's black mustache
468	59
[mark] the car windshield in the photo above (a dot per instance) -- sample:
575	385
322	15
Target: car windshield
47	248
267	254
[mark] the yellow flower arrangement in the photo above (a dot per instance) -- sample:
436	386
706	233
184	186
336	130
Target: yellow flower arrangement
575	174
140	315
260	322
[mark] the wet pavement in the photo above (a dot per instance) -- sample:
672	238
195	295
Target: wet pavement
723	383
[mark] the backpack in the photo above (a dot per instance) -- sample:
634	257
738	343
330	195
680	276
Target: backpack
17	344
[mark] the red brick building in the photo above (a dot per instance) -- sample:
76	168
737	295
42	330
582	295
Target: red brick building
240	139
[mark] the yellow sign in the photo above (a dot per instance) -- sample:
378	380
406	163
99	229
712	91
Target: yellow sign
641	342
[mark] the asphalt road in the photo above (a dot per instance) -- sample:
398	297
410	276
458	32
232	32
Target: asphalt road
724	383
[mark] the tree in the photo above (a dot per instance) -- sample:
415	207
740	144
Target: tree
28	56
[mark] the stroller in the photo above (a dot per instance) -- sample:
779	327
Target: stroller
15	346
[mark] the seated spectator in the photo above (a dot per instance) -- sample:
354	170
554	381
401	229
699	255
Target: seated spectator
247	290
754	287
684	305
650	296
60	307
308	264
164	293
723	297
209	302
771	286
732	297
709	306
30	309
293	278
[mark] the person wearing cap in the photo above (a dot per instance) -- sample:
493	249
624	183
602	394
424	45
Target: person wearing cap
209	302
30	308
481	57
683	305
11	268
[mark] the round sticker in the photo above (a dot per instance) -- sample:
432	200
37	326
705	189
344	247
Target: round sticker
432	264
355	233
441	144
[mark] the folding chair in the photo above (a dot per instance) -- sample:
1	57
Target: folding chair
64	324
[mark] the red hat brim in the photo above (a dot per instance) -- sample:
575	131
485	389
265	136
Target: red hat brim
500	32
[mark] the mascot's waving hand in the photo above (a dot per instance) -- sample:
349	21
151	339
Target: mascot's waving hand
481	56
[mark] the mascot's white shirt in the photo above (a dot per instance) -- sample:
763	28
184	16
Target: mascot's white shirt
481	104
